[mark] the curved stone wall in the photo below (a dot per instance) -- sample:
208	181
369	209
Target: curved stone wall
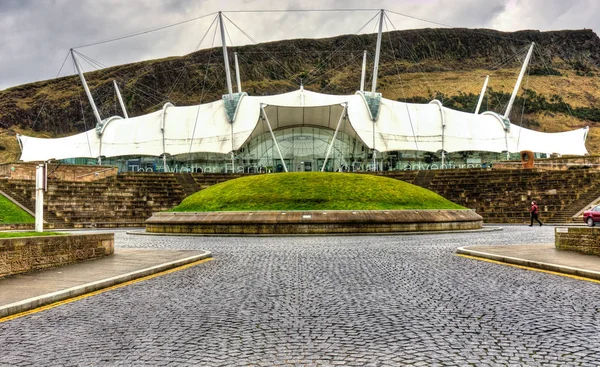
313	222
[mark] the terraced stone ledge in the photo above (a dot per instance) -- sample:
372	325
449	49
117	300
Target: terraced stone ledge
313	222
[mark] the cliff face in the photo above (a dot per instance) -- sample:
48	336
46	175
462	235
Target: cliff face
416	65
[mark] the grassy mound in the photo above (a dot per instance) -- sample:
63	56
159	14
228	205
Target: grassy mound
313	191
10	213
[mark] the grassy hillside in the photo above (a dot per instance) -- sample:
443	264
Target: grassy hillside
560	91
10	213
313	191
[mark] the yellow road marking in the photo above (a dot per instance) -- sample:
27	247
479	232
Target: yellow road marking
530	268
116	286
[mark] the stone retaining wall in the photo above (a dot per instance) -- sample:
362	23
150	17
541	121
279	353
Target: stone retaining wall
581	239
24	254
313	222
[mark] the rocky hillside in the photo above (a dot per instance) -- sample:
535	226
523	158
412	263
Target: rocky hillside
559	93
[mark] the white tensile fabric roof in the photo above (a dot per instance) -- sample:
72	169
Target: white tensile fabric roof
206	128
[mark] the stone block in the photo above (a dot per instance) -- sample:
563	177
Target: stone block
23	255
585	240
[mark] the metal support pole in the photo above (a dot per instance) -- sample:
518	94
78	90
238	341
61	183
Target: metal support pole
87	90
100	151
120	99
225	57
487	78
39	197
519	80
262	109
232	153
334	136
237	73
377	52
374	151
443	154
364	72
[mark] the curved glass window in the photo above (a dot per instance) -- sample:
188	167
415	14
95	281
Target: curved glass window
303	149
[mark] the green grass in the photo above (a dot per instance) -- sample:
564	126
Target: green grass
10	213
313	191
29	234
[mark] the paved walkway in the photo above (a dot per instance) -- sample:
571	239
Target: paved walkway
540	256
326	301
27	291
24	292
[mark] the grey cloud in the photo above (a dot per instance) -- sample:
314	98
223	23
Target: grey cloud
35	36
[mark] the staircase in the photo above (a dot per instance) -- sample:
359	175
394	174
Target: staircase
204	180
504	196
23	192
187	182
424	178
499	196
122	201
589	194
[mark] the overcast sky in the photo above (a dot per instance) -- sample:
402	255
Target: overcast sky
36	35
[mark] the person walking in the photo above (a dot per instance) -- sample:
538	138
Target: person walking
534	210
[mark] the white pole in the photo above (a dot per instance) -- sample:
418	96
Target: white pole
377	52
334	136
232	152
120	99
518	85
364	72
87	90
262	108
374	152
39	198
237	73
487	77
225	57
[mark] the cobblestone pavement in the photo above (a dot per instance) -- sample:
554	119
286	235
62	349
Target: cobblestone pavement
324	301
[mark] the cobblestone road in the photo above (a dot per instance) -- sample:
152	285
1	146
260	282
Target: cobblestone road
324	301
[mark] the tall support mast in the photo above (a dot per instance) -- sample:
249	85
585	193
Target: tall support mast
483	89
120	99
225	56
364	72
377	52
237	73
87	90
519	80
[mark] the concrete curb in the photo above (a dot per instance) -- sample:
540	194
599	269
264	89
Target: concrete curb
484	229
64	294
531	263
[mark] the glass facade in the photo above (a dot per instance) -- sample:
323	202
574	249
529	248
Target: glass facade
304	148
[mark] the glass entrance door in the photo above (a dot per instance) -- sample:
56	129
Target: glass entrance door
328	166
278	167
